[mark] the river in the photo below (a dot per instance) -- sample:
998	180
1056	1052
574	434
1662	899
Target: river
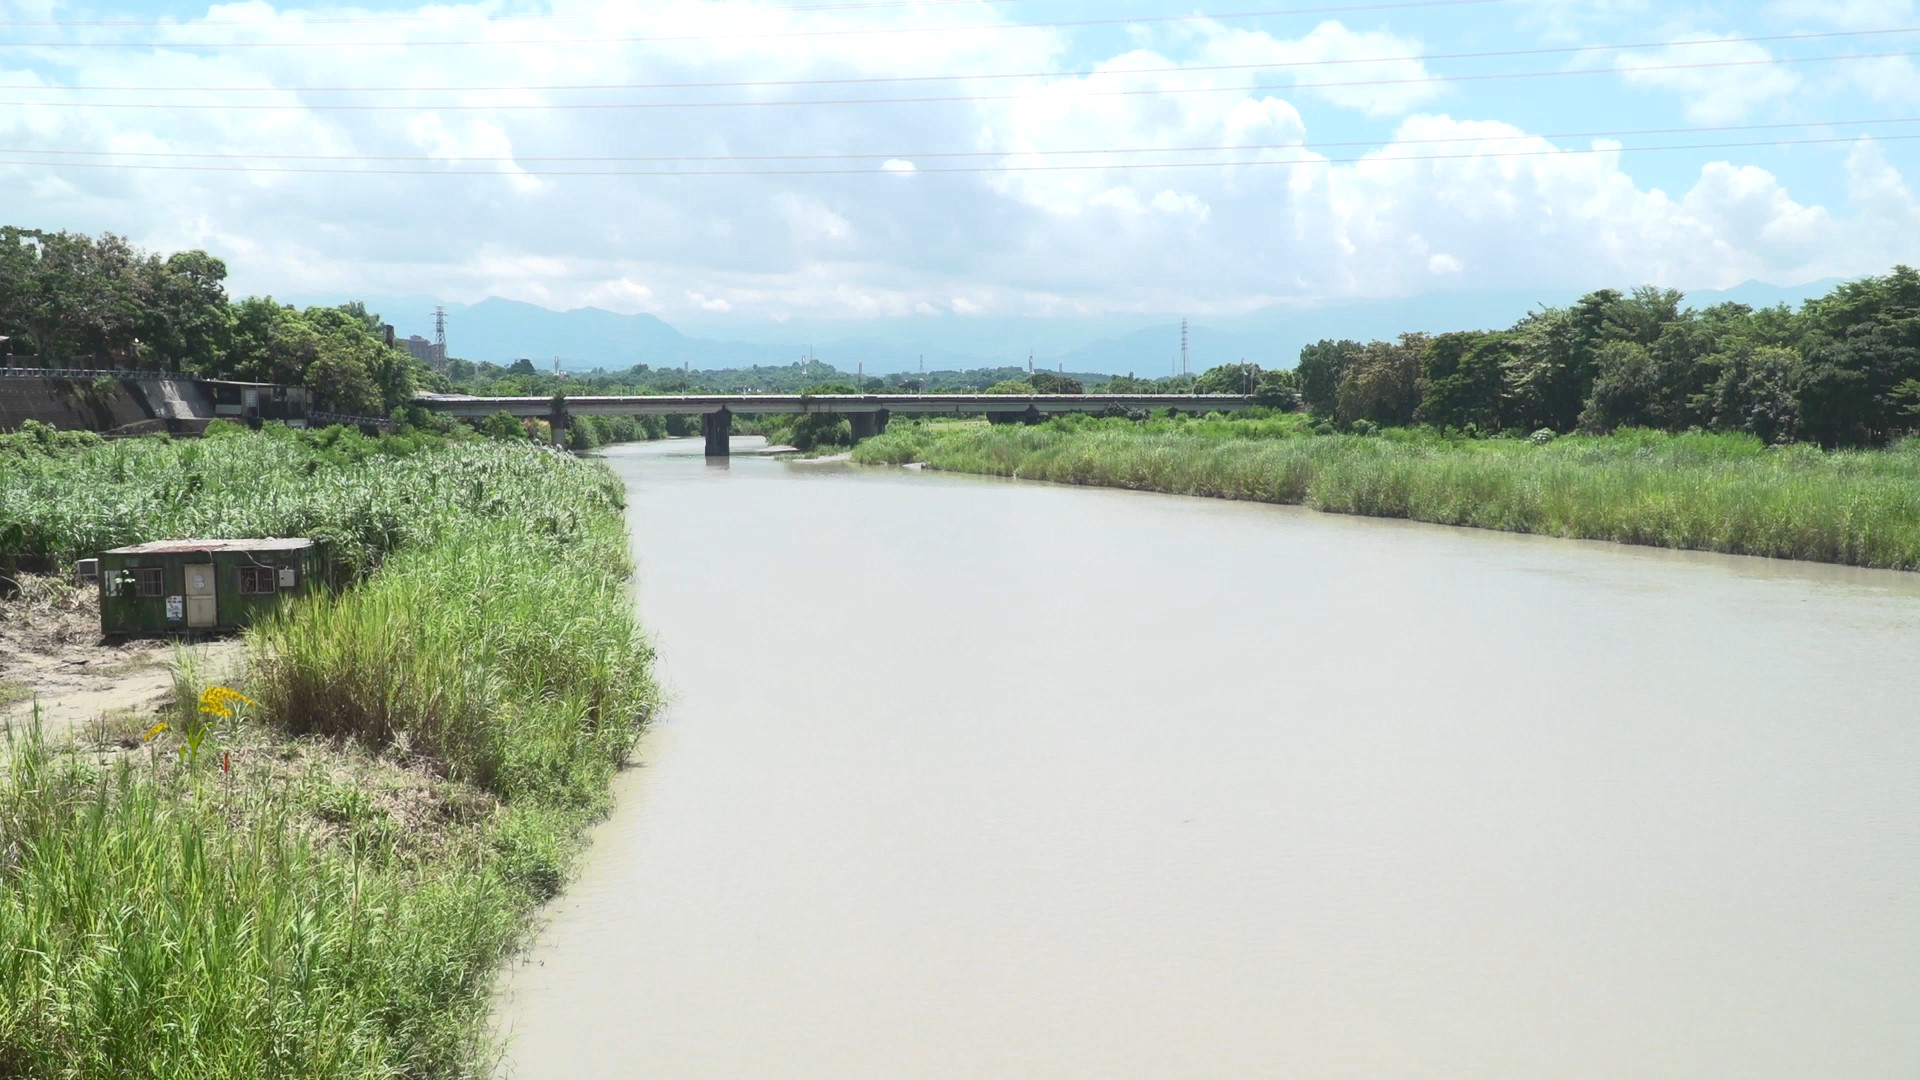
976	778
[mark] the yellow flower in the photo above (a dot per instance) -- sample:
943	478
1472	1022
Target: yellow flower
155	730
220	701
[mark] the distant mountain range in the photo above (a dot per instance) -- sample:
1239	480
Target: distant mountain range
504	330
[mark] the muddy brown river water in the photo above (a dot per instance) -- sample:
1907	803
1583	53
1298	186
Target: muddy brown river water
974	778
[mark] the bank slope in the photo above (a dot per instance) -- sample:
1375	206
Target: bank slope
1724	493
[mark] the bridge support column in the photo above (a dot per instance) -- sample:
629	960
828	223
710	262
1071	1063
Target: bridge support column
880	421
863	425
557	427
718	428
1032	415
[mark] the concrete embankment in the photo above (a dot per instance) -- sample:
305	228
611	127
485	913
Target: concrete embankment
129	406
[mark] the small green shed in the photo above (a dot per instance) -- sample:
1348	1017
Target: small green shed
201	586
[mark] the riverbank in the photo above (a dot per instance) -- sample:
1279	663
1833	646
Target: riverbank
1723	493
324	880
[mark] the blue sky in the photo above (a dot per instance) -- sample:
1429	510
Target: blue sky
892	239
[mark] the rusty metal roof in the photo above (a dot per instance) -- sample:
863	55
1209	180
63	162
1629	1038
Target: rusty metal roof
172	547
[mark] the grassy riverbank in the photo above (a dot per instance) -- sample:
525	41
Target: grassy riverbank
327	887
1726	493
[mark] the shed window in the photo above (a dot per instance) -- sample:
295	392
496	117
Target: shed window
148	581
256	580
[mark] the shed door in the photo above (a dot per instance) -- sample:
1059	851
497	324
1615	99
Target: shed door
201	602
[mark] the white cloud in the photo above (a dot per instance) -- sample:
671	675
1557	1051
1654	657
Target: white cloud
1713	95
856	245
1330	53
1851	14
1890	80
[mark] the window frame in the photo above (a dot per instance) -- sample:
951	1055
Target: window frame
258	573
149	581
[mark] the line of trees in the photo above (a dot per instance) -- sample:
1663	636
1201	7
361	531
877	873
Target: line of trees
1844	370
71	300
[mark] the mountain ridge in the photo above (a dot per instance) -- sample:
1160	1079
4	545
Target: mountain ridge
501	330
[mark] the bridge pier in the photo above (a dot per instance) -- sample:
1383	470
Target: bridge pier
880	417
1032	415
862	426
557	427
718	428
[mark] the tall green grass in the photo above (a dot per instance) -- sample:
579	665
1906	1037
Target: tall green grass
165	918
364	496
1726	493
156	923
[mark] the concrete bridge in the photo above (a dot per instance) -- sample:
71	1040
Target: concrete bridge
868	413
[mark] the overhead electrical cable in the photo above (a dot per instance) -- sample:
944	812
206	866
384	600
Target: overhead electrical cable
905	155
883	171
1153	91
1563	50
446	15
845	31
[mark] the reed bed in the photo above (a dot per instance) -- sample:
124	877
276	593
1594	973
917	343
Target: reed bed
461	712
363	496
1725	493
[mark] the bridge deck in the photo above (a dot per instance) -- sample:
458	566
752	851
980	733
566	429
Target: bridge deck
900	404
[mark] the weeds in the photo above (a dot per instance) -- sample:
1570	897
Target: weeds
334	899
1727	493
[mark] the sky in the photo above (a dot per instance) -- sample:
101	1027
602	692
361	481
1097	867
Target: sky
1328	150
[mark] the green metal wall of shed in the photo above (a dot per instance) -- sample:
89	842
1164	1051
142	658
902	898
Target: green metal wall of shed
232	610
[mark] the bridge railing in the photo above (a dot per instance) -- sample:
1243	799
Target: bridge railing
317	417
88	373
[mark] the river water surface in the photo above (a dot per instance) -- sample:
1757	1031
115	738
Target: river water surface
972	778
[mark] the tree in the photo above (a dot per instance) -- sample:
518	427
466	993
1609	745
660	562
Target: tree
1382	384
42	286
1463	377
1753	391
1623	388
1239	378
1322	366
1012	386
504	426
188	321
1048	382
522	366
1278	389
271	342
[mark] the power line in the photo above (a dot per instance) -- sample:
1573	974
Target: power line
548	106
1562	50
1099	166
1060	24
362	20
906	155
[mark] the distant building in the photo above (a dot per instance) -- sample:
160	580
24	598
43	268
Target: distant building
428	353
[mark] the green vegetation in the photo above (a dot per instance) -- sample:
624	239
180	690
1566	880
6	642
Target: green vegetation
495	380
1842	371
70	300
364	496
1712	492
326	888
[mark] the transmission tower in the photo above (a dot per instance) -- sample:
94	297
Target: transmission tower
1183	347
440	335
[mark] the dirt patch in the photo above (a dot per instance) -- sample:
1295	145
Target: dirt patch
52	655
